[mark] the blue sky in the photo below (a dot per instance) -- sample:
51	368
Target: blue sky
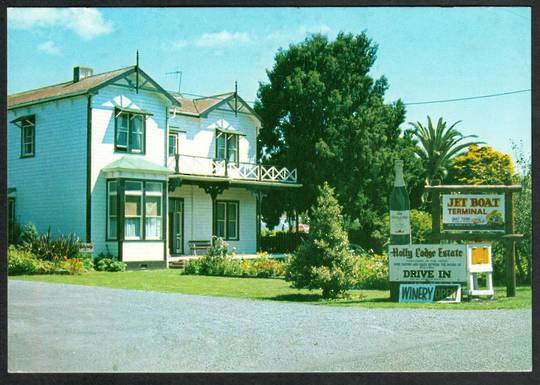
426	53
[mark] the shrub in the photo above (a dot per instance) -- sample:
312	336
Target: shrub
73	266
232	267
109	264
267	268
24	262
216	259
223	264
324	261
373	271
87	261
29	234
45	247
192	267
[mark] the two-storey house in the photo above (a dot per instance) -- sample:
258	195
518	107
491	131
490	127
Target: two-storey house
140	172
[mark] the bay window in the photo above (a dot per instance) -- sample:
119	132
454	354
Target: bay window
136	207
133	210
153	210
112	209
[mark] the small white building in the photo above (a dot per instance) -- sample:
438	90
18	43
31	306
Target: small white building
140	172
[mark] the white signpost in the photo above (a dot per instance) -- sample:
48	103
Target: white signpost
475	212
444	263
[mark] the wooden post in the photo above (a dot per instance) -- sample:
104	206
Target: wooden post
510	245
258	199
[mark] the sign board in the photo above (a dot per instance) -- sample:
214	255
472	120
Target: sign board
479	258
428	263
420	292
86	248
473	212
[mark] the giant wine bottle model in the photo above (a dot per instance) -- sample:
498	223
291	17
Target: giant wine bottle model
400	219
400	211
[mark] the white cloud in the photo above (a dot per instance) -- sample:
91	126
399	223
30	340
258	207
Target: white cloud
85	22
222	38
49	47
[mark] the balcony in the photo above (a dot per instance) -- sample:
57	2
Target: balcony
197	165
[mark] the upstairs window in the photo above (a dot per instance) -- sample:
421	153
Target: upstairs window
28	135
173	144
227	147
130	132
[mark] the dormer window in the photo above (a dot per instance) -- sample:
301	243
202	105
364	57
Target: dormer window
130	131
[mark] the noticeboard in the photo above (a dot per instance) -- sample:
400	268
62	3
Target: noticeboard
428	263
473	212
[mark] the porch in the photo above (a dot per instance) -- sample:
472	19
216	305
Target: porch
210	197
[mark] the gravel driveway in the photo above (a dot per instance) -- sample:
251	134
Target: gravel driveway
66	328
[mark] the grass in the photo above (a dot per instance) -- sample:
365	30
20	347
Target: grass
173	281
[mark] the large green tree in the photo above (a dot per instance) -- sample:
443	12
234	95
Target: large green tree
437	146
323	114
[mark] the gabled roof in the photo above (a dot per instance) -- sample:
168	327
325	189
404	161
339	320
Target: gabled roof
84	86
202	106
127	163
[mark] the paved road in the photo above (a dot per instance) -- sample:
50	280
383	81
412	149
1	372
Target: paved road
58	328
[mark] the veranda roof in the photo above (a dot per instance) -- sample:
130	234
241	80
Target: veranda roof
134	164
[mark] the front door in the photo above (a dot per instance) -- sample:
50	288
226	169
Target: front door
176	226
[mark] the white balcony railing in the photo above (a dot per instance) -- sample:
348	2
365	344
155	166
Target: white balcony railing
196	165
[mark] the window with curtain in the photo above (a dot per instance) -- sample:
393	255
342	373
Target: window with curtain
227	147
130	132
112	209
227	220
143	210
133	201
153	217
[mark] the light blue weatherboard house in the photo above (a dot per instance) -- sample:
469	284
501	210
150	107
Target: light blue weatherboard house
143	173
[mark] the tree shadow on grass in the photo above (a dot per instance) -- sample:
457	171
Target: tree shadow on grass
319	298
297	297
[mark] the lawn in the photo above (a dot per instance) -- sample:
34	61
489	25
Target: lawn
262	289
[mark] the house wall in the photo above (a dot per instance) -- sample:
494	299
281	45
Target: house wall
51	187
200	136
103	152
198	216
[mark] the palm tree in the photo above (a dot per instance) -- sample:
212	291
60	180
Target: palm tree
437	146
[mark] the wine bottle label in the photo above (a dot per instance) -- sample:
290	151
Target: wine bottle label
400	222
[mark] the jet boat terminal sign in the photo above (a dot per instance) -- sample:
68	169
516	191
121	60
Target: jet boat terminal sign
428	263
476	212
